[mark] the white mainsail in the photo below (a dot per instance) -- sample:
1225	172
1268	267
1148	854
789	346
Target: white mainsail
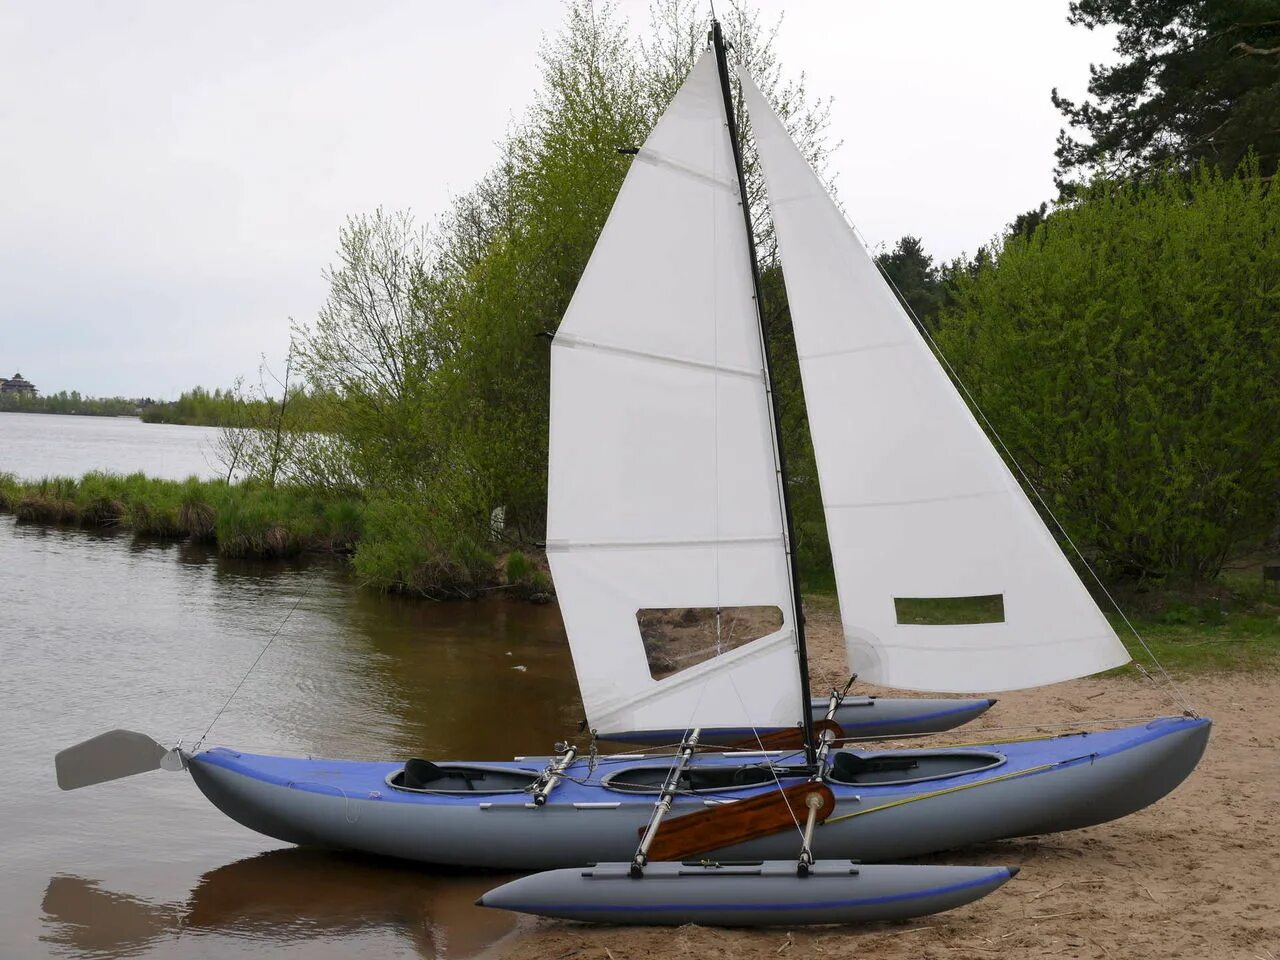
662	486
918	503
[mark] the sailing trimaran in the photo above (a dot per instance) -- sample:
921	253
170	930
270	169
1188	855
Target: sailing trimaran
666	490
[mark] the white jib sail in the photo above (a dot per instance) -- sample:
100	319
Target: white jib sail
919	505
662	486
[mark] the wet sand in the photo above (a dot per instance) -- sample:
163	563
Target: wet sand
1197	875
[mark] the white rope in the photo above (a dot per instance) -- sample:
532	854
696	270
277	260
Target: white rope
1176	692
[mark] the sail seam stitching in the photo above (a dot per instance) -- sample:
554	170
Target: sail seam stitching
977	495
566	340
1019	645
563	546
794	198
845	351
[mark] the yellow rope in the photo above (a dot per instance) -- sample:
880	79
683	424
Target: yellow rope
940	793
1000	743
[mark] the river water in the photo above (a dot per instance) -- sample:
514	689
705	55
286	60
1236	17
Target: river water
100	632
35	445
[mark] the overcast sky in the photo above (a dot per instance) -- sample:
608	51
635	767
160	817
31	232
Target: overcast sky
173	175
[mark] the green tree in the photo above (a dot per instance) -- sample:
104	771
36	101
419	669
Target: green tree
1024	224
914	278
1127	351
1198	80
370	355
564	172
70	403
540	213
812	546
434	358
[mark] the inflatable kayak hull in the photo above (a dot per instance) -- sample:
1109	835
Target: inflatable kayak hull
751	894
860	718
950	797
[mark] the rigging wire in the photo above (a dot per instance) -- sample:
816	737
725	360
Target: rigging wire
715	413
261	653
689	728
1177	695
770	766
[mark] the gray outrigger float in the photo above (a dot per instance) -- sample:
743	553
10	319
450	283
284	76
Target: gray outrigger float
747	894
858	718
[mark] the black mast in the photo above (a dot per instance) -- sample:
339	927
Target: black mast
802	653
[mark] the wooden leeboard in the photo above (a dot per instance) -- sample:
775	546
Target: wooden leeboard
791	738
694	833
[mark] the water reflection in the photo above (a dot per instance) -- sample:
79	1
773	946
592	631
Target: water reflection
99	923
471	680
234	570
109	631
329	901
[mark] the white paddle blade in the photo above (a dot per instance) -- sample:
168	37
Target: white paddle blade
108	756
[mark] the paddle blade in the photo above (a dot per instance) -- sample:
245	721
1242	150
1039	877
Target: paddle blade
108	756
694	833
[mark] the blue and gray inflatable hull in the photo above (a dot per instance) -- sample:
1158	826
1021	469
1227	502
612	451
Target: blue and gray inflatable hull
997	791
767	893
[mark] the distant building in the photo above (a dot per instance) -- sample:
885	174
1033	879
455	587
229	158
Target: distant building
18	384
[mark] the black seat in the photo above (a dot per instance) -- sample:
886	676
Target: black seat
847	767
724	778
419	773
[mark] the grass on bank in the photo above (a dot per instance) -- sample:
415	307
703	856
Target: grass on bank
392	543
240	519
1230	624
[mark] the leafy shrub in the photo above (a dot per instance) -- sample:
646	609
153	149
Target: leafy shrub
1127	351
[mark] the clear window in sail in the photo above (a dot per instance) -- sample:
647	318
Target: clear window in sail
950	611
677	638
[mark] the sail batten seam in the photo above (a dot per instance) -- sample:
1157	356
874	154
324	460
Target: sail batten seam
564	546
656	159
845	351
1004	624
976	495
567	340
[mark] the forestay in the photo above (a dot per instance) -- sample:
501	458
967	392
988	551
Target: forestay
918	503
663	488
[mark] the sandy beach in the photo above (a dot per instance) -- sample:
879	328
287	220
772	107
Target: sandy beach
1196	875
